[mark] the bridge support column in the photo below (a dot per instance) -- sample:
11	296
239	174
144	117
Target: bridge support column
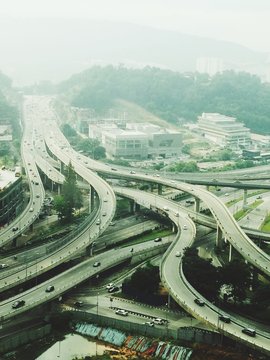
152	187
159	189
245	198
230	253
207	187
62	167
197	205
133	206
91	198
218	237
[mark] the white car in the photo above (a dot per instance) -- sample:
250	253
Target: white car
121	312
110	285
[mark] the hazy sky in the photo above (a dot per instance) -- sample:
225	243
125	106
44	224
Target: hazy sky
243	21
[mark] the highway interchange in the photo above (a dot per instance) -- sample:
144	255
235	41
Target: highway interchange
44	146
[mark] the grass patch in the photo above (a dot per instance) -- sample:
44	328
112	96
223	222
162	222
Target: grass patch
241	213
266	224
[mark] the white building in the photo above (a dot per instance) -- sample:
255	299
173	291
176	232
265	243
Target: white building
209	65
137	141
224	130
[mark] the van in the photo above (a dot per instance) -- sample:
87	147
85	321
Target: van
249	331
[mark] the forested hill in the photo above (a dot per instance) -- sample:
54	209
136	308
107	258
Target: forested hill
174	96
8	113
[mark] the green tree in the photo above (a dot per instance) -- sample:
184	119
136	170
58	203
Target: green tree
71	198
237	274
99	153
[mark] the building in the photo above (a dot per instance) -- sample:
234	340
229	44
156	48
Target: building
224	131
209	65
11	196
162	142
137	140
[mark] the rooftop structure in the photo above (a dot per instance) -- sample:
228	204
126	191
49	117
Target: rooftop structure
224	130
137	140
11	195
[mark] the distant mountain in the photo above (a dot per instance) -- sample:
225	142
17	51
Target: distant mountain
53	49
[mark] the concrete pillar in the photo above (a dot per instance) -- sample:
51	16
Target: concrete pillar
152	186
230	253
218	237
245	198
197	205
62	167
207	187
159	189
132	206
91	198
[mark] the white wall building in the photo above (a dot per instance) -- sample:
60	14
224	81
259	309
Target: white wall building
224	130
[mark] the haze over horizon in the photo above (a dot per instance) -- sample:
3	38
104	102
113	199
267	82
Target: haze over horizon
27	37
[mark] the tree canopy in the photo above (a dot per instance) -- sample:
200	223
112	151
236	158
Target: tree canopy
71	198
174	96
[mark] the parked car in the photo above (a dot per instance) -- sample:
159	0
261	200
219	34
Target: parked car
159	321
149	323
121	312
18	304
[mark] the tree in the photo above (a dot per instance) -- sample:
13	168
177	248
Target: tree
236	273
71	197
68	131
143	284
99	153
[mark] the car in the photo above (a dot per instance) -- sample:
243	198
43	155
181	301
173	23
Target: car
98	222
177	254
132	172
199	302
112	223
104	213
3	266
105	200
176	214
49	288
78	303
224	318
110	285
159	321
96	264
158	239
149	323
165	208
15	228
131	250
36	183
31	209
226	194
185	227
258	197
249	331
121	312
37	196
113	289
113	169
18	304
